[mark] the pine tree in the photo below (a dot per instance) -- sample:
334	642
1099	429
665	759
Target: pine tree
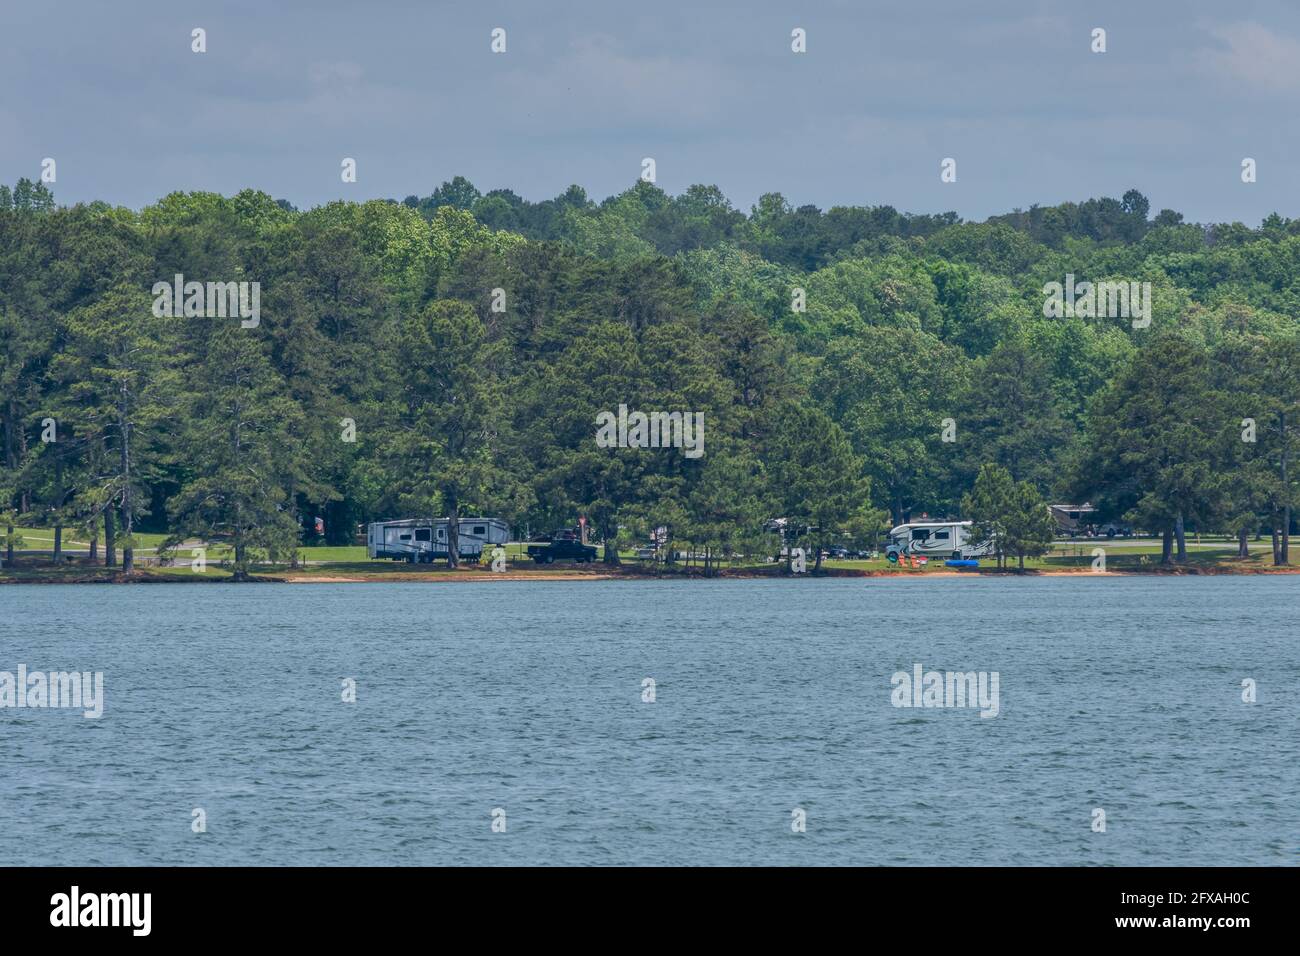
815	479
238	451
992	508
1030	525
113	393
1154	436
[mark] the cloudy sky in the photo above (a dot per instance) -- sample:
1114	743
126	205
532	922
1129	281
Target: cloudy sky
709	88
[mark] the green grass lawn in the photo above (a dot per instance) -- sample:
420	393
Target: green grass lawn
353	553
75	539
322	559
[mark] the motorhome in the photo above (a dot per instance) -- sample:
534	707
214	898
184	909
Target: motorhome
935	539
1073	520
422	540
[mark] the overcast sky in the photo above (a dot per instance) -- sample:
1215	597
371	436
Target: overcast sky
709	88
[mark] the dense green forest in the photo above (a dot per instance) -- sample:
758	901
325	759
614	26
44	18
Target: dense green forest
450	354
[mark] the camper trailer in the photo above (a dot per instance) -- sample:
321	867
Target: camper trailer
935	539
422	540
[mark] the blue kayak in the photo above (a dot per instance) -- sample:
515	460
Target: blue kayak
965	563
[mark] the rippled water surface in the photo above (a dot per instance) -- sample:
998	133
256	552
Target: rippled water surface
1123	694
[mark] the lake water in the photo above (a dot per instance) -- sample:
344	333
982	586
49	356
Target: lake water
1123	694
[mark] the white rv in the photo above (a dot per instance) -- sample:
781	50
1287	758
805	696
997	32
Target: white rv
424	539
935	539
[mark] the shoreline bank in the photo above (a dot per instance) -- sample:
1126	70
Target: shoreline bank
619	573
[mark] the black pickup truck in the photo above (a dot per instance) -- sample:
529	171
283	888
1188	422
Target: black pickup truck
562	547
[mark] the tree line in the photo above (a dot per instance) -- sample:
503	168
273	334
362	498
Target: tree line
450	355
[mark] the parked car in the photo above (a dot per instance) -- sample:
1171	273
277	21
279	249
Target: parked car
837	553
1112	528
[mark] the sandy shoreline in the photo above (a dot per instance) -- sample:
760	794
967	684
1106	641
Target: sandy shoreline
621	574
444	576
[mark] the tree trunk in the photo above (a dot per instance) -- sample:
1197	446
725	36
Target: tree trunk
59	497
241	556
453	531
25	499
608	534
11	414
1286	506
1277	545
11	462
1167	546
128	520
1243	543
110	539
1181	538
128	552
21	455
